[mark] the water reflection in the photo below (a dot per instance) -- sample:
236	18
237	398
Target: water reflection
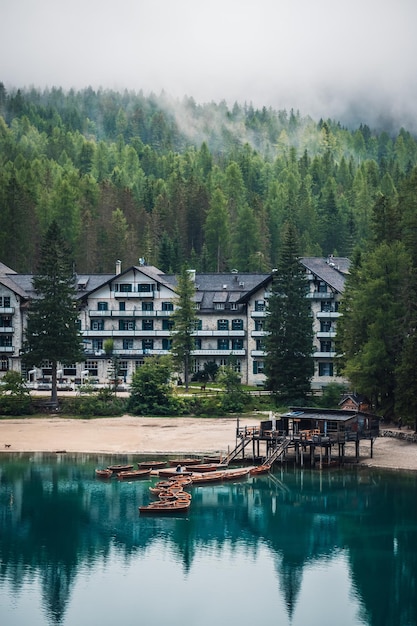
324	547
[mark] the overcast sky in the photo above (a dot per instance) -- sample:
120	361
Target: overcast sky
323	57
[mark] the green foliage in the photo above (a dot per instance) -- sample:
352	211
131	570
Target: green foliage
14	395
121	177
151	389
289	363
234	397
52	333
331	396
185	319
103	403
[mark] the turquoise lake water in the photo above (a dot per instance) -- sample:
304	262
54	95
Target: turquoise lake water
335	547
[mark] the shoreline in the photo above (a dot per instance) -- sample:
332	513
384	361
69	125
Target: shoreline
165	435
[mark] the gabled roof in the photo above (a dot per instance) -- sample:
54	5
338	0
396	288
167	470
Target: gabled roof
11	284
5	270
332	270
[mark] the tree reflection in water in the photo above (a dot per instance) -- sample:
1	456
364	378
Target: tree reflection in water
56	519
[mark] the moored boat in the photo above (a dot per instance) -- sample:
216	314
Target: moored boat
203	467
207	477
259	469
134	474
119	468
151	464
104	473
234	474
184	462
165	508
171	472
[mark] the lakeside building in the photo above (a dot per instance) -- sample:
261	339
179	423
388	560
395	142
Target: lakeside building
134	307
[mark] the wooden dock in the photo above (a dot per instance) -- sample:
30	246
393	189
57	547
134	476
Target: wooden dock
313	437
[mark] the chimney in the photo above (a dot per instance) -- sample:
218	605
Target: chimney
118	267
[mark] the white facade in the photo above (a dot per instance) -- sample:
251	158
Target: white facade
133	309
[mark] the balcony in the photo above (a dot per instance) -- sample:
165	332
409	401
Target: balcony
328	315
223	353
320	295
129	313
330	334
258	353
259	333
324	355
6	349
6	310
7	329
219	333
256	314
134	294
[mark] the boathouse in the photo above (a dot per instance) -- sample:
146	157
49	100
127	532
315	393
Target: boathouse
310	434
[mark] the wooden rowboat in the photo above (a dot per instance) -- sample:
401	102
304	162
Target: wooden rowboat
234	474
208	477
203	467
134	474
260	469
165	508
151	464
171	472
184	462
104	473
119	468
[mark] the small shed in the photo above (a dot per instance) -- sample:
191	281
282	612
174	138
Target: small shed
333	423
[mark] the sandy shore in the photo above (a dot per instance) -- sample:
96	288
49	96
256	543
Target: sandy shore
144	435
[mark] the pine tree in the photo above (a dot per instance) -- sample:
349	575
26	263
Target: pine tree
185	320
52	334
289	363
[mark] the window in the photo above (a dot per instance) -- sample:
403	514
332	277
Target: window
167	324
4	364
258	367
166	343
97	325
97	345
147	306
92	367
260	345
238	367
326	326
322	287
127	344
139	363
147	324
219	306
167	306
237	324
126	325
237	344
144	287
123	370
222	324
147	344
6	342
102	306
122	306
125	287
198	325
197	343
325	369
223	344
325	346
5	302
259	305
233	306
5	321
259	325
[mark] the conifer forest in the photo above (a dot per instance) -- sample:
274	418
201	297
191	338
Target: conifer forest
129	176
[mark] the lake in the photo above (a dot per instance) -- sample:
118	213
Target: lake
296	547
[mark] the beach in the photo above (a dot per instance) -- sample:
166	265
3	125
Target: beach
159	435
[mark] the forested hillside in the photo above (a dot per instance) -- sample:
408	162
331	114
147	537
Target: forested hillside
129	176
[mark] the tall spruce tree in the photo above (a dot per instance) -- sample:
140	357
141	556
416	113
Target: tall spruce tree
52	333
185	320
289	362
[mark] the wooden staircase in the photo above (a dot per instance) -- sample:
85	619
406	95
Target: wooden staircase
277	451
234	453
